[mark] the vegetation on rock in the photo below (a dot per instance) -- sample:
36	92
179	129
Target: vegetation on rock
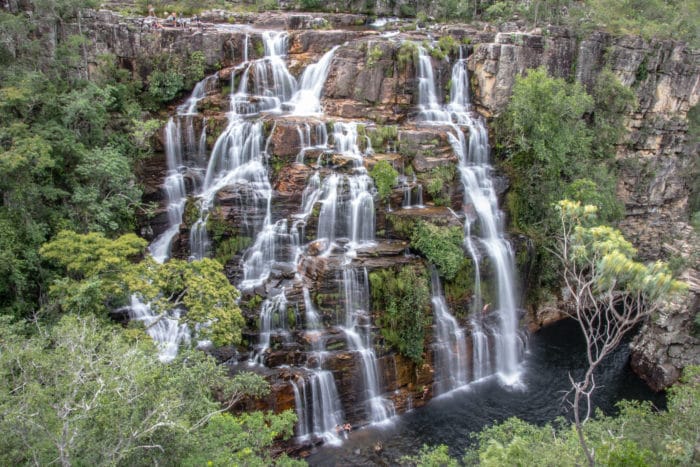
441	246
402	300
384	176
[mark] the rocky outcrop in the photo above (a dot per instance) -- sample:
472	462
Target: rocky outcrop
670	341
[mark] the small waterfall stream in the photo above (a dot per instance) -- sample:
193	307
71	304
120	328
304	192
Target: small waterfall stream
481	208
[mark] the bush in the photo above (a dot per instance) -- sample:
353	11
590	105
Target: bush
384	176
310	5
441	245
402	300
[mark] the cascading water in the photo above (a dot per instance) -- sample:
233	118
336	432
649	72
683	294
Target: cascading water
273	321
307	100
347	203
175	151
237	162
175	195
481	204
166	329
318	408
450	345
357	330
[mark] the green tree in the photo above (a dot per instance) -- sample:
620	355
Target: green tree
547	138
402	300
610	293
82	393
101	274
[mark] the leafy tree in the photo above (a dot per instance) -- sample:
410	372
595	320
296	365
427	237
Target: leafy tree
82	393
547	137
102	274
427	456
67	149
609	292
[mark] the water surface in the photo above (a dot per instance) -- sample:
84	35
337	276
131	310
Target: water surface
552	354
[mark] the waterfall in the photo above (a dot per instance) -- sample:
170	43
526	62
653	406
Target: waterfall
430	109
347	201
174	184
307	100
450	346
318	409
272	83
237	170
166	329
481	207
175	195
308	140
198	93
358	331
273	322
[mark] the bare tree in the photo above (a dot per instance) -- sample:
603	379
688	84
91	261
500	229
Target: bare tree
607	291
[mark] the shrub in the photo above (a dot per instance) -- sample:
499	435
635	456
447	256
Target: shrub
402	299
384	176
441	245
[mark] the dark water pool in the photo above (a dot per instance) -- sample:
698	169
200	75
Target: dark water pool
552	354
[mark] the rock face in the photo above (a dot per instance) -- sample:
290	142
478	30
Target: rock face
670	341
370	80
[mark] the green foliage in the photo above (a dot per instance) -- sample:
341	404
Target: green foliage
182	7
384	176
407	11
674	19
97	397
441	245
407	54
227	249
310	5
438	456
608	258
547	136
102	274
374	53
461	286
402	300
638	435
67	146
650	18
611	101
242	440
381	135
446	46
438	183
173	74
